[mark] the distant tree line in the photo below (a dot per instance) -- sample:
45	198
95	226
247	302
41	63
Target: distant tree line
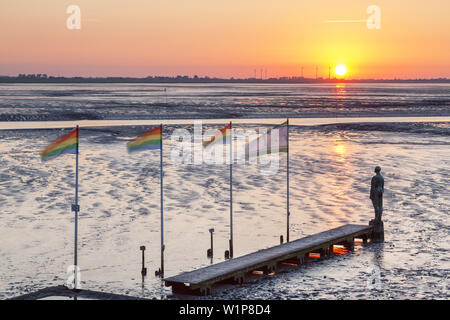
44	78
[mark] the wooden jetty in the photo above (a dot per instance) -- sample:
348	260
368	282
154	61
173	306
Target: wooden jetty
200	281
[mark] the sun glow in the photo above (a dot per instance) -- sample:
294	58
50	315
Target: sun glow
340	70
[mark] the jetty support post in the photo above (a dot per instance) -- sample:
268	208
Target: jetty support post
378	230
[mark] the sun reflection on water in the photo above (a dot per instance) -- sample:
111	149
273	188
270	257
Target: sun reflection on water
341	94
340	148
334	198
340	90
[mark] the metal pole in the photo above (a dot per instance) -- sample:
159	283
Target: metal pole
211	231
76	209
144	269
287	184
231	191
162	211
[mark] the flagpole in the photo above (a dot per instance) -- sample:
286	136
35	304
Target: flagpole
287	184
231	191
76	209
162	209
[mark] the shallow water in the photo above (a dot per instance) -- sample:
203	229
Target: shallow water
53	102
331	166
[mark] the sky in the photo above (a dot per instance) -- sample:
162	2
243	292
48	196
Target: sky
226	38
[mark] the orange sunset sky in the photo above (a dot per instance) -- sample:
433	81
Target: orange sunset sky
225	38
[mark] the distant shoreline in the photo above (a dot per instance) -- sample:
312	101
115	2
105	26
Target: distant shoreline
298	121
42	78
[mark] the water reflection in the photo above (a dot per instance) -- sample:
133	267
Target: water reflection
339	250
334	197
340	149
341	94
378	255
340	90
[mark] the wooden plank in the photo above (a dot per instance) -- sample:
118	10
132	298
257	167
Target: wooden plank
229	268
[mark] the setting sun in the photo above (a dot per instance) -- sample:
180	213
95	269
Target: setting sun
340	70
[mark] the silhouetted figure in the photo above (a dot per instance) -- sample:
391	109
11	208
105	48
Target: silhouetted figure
376	193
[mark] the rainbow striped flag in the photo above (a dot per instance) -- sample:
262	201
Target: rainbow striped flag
220	136
65	144
148	140
275	140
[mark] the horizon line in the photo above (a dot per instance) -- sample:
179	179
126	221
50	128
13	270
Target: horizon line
44	76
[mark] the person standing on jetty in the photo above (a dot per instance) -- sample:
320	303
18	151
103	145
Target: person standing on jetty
376	193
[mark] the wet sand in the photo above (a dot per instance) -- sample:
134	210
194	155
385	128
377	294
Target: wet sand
17	125
331	167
